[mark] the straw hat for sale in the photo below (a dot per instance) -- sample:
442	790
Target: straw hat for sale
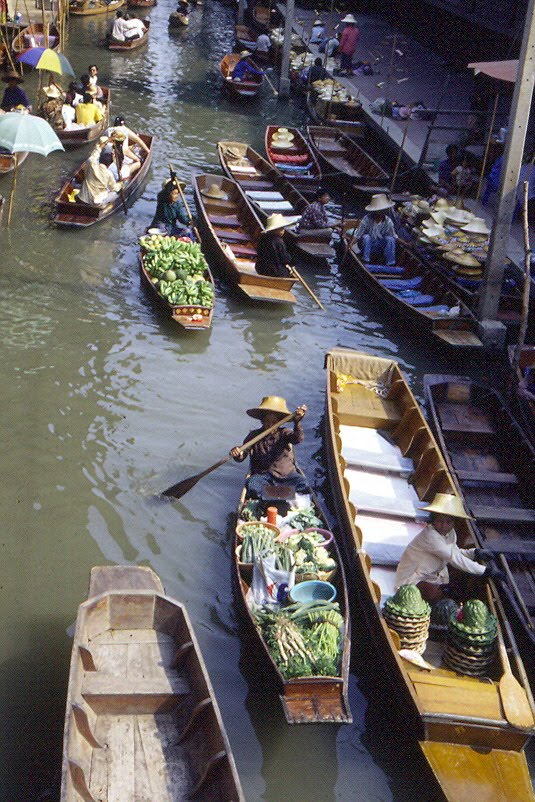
350	18
283	135
465	259
11	75
470	272
422	204
214	191
477	226
270	403
439	217
433	231
442	203
278	221
459	216
379	203
448	504
318	22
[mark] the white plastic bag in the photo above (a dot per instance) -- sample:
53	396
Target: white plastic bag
270	585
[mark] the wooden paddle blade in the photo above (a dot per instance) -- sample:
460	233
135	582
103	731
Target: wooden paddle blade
515	702
181	488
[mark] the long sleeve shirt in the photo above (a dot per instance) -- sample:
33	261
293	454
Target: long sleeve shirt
275	453
428	555
242	68
98	181
349	39
14	96
170	214
376	228
272	256
314	216
119	29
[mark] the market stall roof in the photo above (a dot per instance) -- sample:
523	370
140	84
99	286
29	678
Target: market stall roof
501	70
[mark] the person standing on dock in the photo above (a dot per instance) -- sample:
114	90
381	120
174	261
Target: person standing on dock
348	44
271	255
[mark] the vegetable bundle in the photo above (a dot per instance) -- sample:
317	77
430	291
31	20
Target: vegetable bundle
306	519
178	269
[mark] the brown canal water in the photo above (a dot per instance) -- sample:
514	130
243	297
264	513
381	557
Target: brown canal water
104	402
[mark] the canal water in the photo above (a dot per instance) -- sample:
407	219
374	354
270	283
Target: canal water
105	402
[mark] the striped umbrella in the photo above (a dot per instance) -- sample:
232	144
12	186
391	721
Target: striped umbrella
43	58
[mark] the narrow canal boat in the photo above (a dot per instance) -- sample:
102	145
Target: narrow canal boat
306	699
232	230
520	382
418	296
269	192
384	464
35	35
9	160
261	17
130	44
346	117
347	163
76	137
142	720
294	158
245	37
88	8
245	90
71	213
493	466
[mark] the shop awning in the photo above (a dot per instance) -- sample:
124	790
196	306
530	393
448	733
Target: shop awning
501	70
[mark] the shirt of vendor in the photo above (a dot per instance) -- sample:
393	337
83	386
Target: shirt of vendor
87	113
275	453
14	95
263	43
99	181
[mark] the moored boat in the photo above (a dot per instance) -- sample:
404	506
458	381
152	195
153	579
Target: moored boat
241	89
265	188
232	230
35	35
142	720
347	117
346	162
262	17
130	44
295	159
245	37
9	160
307	698
71	213
376	439
76	137
86	8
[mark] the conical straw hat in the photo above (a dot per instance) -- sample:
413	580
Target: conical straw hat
442	203
477	226
459	215
277	221
214	191
448	504
379	203
270	403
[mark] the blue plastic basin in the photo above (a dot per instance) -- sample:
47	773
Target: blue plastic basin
313	590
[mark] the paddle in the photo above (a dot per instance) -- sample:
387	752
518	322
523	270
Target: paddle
296	275
269	82
119	161
181	488
513	697
176	182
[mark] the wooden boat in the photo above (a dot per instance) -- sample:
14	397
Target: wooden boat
346	162
297	162
245	37
493	466
526	405
76	214
460	722
305	700
9	160
261	17
347	119
76	137
33	36
241	89
232	230
142	721
141	3
86	8
268	191
131	44
418	296
178	20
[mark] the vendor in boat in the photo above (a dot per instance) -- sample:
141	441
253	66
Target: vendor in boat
271	255
92	71
87	112
425	561
52	105
317	71
314	219
171	215
129	136
244	69
272	459
262	49
99	186
376	233
14	96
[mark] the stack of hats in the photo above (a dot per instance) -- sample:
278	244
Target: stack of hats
408	615
282	139
471	639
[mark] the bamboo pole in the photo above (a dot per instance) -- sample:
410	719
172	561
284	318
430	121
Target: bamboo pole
527	281
400	152
487	146
8	52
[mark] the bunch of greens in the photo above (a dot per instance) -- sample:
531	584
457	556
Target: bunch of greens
310	556
305	519
178	270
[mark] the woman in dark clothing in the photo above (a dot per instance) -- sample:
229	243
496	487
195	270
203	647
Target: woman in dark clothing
271	254
171	213
14	96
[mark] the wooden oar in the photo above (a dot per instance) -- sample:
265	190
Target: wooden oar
184	201
269	82
513	697
119	162
296	275
181	488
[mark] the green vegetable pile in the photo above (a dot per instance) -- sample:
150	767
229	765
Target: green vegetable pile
178	270
310	556
304	640
257	540
306	519
408	602
252	510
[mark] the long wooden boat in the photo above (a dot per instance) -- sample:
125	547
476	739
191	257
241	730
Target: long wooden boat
9	160
240	89
142	721
418	296
86	8
346	162
262	17
131	44
34	36
76	137
76	214
347	119
305	700
245	37
268	191
178	20
297	162
459	721
526	405
493	466
232	230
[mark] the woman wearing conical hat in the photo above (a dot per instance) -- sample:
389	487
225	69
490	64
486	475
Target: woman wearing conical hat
271	255
272	459
14	96
425	561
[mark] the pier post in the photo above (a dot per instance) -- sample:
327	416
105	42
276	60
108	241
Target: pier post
284	83
241	11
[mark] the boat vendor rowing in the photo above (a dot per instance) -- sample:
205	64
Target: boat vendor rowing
248	83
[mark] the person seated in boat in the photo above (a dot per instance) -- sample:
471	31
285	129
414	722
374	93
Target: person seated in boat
14	96
182	8
99	186
134	28
425	561
314	219
87	113
316	72
119	27
376	233
51	107
317	33
92	72
272	459
271	255
171	215
244	70
262	49
124	135
75	93
68	111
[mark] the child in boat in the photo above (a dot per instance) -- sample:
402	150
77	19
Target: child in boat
272	459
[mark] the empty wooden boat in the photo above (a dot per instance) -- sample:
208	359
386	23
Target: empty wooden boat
349	119
493	465
418	296
76	137
261	17
522	383
35	35
383	464
265	188
296	161
87	8
71	213
9	160
142	721
232	230
244	90
305	699
346	162
130	44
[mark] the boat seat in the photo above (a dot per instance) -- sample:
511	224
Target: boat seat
401	283
384	494
243	250
255	184
464	418
392	270
106	693
231	236
510	515
218	220
487	477
363	447
246	266
264	195
385	539
358	406
414	298
276	206
440	310
341	164
246	169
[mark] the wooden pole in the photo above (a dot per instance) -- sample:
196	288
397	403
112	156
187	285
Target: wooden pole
284	82
400	153
487	146
241	12
298	276
527	282
516	591
13	185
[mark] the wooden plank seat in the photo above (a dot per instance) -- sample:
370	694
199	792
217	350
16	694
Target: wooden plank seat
488	477
339	163
364	447
358	406
255	184
266	195
231	236
111	694
510	515
243	250
464	418
219	220
384	494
